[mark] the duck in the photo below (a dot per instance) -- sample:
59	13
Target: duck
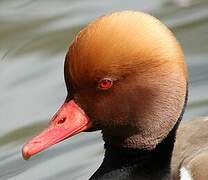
126	75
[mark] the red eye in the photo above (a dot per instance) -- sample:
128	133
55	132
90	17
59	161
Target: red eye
105	84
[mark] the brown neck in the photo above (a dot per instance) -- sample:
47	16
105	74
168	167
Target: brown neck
136	163
127	137
133	140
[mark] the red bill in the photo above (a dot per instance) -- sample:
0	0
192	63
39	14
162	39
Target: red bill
68	121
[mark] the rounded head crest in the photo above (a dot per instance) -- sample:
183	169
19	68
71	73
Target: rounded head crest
146	64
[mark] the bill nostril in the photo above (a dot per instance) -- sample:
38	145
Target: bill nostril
36	142
61	121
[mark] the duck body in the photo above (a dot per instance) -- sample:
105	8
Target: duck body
190	154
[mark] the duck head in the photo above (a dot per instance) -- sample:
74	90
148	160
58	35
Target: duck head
125	75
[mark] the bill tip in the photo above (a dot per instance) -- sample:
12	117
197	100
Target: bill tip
25	153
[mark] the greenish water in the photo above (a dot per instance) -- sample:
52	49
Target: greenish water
34	37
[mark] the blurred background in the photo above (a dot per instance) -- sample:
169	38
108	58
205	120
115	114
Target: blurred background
34	37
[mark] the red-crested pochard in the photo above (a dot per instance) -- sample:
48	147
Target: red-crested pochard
125	75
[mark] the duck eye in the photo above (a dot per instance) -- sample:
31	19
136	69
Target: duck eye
105	84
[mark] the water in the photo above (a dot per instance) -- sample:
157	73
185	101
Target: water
34	37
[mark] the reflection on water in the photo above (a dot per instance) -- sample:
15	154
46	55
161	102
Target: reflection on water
34	36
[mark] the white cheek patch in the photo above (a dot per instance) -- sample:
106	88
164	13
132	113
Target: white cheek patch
185	174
